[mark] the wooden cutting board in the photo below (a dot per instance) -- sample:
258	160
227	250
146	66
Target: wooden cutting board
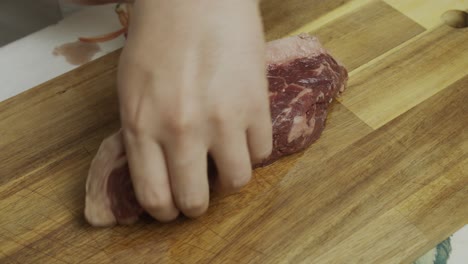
387	180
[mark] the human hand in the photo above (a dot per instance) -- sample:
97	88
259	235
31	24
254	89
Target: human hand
191	81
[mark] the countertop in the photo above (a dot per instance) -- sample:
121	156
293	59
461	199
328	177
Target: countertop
29	61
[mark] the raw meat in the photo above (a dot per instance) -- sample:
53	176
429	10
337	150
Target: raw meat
303	80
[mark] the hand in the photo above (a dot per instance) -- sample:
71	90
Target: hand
191	81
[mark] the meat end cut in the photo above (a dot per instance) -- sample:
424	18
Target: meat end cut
303	80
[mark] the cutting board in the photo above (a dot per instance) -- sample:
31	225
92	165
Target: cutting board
386	181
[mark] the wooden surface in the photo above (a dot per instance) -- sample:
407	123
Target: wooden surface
386	182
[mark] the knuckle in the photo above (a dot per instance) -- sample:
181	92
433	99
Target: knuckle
180	126
193	206
225	125
217	119
182	121
152	201
220	115
134	118
135	127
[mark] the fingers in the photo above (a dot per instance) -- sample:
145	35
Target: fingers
187	163
259	136
150	177
231	156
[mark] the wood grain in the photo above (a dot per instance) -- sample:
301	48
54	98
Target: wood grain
427	12
282	17
51	102
386	181
407	75
362	35
382	230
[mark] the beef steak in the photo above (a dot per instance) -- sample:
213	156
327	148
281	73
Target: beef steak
303	80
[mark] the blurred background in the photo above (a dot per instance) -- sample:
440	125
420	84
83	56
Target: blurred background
19	18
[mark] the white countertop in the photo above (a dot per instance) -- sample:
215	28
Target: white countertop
29	61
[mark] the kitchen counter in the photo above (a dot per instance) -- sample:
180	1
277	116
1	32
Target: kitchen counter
29	61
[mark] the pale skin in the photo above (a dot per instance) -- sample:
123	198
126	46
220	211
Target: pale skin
191	81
